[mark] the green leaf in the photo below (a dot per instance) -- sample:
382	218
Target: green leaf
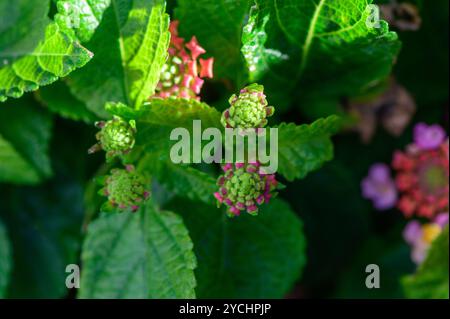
130	47
431	279
304	148
32	59
143	255
333	51
80	18
14	168
5	260
44	225
181	179
247	256
25	132
259	59
160	116
217	26
58	99
178	112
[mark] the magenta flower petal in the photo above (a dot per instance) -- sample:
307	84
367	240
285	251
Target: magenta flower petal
428	137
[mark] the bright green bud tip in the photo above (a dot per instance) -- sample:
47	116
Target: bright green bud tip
247	110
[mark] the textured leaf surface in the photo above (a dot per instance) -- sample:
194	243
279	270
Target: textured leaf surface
333	51
44	225
5	260
259	59
160	116
431	279
29	57
217	26
236	255
183	180
304	148
25	132
143	255
130	47
80	18
58	99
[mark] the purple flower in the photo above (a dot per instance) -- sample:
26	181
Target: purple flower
379	187
420	237
428	137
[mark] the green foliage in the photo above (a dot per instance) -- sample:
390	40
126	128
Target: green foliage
58	99
143	255
5	260
357	55
80	18
431	279
183	180
131	47
259	59
36	58
24	142
217	25
311	56
305	148
236	254
44	224
160	116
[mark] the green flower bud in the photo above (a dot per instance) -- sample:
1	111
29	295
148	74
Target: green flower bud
247	110
116	137
125	189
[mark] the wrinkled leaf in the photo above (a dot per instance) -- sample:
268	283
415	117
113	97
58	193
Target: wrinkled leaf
258	58
130	47
37	57
143	255
80	18
235	255
304	148
336	48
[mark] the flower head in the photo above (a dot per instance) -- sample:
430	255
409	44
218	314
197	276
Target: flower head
183	73
420	237
248	110
243	187
125	189
380	187
116	137
422	175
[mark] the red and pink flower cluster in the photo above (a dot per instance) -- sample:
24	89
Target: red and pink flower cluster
420	187
183	74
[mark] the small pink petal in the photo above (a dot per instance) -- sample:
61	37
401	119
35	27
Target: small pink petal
197	85
173	27
206	68
195	48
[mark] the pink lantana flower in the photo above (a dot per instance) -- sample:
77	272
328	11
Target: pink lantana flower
184	72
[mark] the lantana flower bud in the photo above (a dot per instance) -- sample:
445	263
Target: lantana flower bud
183	73
244	187
116	137
125	188
248	110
